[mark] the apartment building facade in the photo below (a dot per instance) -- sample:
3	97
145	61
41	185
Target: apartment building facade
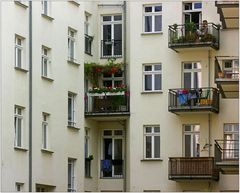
119	96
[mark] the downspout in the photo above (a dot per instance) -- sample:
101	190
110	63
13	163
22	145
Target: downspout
125	82
30	96
209	115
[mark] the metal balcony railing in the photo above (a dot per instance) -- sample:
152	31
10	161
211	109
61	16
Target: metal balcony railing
112	168
111	48
193	35
107	104
187	168
226	150
200	99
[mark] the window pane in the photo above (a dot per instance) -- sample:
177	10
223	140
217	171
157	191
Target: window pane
118	74
45	68
158	8
187	145
107	132
157	67
148	9
188	66
148	129
117	17
71	49
106	18
156	146
187	127
187	80
107	30
148	82
197	5
158	82
107	83
118	149
158	23
19	58
156	129
118	132
148	147
148	68
69	109
148	23
19	133
197	79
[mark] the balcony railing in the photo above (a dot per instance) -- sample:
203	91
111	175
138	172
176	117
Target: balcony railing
105	104
190	35
88	44
181	168
112	168
188	100
111	48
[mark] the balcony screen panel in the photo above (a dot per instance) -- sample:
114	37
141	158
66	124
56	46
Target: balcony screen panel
148	23
158	23
148	147
148	82
156	146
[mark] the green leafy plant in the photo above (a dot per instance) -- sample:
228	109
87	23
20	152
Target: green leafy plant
90	157
190	27
101	90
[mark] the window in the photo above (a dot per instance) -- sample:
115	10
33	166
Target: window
19	187
46	7
112	163
71	175
151	142
152	77
191	138
45	62
112	36
231	68
19	52
87	160
192	12
192	76
71	44
152	15
71	109
18	124
113	80
88	38
45	131
231	141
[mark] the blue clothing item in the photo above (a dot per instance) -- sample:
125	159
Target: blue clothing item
183	99
107	165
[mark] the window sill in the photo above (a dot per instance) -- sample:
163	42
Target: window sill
20	149
88	177
73	62
88	54
47	78
73	127
75	3
159	159
152	92
21	4
21	69
47	151
47	17
107	57
151	33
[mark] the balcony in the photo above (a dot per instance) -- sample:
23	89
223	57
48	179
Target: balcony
111	48
107	105
192	168
227	156
227	76
112	168
204	100
186	36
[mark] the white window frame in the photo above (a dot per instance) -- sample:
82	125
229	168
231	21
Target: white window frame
18	117
113	79
19	47
72	163
46	62
87	24
19	186
152	14
152	73
48	7
72	121
192	71
72	34
233	70
45	131
191	133
152	135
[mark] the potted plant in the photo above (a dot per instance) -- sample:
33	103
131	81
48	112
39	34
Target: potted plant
89	158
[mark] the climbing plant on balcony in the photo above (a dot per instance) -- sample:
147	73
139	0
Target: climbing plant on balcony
93	71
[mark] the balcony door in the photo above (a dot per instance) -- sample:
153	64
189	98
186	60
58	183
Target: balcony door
191	140
112	154
192	76
192	12
231	141
112	36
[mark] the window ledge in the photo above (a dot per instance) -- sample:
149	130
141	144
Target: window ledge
158	159
20	148
73	127
88	54
47	151
47	17
21	4
21	69
47	78
75	3
89	177
151	33
73	62
152	92
107	57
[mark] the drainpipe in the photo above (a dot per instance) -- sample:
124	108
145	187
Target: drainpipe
125	82
30	96
209	115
